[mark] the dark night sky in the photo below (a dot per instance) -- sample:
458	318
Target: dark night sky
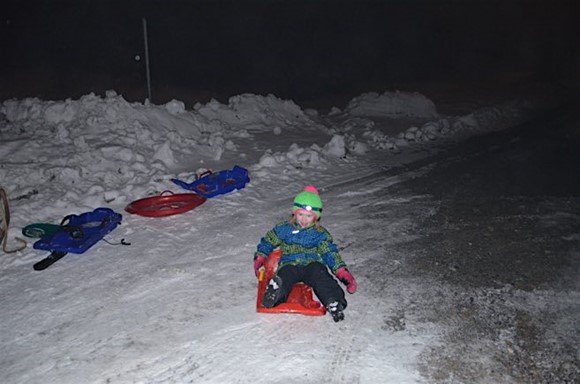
294	49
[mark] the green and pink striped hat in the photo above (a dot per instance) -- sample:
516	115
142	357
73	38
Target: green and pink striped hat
308	200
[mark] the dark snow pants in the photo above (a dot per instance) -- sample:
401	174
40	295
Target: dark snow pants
316	275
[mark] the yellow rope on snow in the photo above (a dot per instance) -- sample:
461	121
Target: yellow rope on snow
5	218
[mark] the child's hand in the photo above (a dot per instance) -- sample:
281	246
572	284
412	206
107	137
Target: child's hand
259	263
347	279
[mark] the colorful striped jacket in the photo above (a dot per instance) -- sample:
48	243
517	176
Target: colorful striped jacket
301	246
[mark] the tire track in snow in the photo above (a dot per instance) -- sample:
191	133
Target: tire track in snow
342	360
221	356
389	218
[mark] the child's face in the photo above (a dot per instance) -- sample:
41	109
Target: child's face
305	218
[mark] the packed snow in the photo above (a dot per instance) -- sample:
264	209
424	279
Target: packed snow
178	304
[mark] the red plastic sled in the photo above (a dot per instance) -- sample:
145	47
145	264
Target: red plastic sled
301	299
157	206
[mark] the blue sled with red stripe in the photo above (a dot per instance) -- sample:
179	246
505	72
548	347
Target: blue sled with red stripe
77	233
210	184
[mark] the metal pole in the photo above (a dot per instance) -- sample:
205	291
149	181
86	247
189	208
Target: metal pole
147	71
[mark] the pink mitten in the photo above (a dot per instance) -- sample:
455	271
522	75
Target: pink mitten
347	279
258	263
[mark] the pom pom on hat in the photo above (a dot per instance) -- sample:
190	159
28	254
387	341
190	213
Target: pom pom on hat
311	188
308	200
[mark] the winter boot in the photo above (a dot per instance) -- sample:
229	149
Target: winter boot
335	309
273	295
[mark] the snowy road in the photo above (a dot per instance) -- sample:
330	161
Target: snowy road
502	254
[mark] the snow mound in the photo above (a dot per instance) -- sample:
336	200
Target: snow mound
483	120
392	104
254	112
87	150
104	150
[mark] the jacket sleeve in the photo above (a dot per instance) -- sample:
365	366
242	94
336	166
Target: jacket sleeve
267	244
329	253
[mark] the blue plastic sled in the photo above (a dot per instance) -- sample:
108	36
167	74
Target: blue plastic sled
78	233
217	183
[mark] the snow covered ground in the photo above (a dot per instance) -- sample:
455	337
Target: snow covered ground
178	304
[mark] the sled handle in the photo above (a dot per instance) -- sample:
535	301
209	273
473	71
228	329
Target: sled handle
208	172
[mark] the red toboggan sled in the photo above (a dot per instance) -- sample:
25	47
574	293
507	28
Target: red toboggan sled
301	299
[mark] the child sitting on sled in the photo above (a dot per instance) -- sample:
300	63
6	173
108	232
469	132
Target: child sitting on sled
308	253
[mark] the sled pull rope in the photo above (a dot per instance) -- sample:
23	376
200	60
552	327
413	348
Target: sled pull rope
5	217
77	232
122	242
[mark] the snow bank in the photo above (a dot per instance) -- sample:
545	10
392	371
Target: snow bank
392	104
254	112
96	150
